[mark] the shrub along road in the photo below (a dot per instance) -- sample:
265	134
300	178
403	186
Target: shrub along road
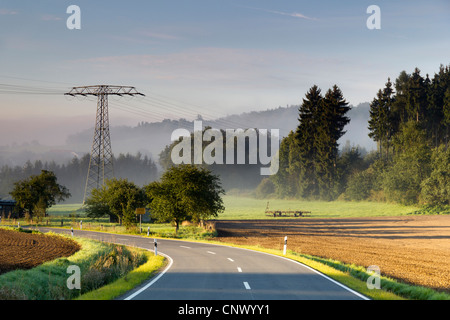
202	271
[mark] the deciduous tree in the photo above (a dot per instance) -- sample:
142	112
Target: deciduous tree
185	192
38	193
118	198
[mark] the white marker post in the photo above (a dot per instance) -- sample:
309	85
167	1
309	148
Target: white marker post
285	245
156	246
72	231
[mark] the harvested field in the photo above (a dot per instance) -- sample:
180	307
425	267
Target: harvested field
413	249
19	250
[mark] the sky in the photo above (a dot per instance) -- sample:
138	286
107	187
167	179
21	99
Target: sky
206	57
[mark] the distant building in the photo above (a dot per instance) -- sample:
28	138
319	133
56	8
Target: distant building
7	209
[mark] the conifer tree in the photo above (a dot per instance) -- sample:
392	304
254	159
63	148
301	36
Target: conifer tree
330	130
382	122
305	137
375	120
321	125
416	103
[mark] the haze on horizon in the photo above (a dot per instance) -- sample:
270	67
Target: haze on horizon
201	57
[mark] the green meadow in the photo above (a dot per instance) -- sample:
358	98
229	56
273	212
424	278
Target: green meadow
251	208
237	208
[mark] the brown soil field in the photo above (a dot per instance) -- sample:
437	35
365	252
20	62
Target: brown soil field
19	250
413	249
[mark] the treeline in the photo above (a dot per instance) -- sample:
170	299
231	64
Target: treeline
241	170
137	168
410	121
412	97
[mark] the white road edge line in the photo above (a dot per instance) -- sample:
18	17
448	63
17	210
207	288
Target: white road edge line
247	286
315	271
154	280
291	260
274	255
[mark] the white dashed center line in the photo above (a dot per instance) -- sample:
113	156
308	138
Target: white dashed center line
247	286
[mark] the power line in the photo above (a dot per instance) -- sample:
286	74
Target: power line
35	80
148	107
190	112
18	89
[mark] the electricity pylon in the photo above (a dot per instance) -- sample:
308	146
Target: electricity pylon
101	160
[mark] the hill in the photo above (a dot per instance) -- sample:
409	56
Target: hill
151	138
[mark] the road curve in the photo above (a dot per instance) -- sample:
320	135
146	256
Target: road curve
203	271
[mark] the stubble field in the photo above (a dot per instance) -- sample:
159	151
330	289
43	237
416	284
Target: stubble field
413	249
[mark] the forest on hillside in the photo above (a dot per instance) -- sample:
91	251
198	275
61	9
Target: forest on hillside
409	120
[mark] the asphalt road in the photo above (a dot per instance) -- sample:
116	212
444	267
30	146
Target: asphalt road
200	271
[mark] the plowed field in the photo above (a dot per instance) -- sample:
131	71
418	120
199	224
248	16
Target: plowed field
20	250
414	249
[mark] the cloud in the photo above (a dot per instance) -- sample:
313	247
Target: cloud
235	76
222	66
289	14
293	14
160	36
50	17
7	12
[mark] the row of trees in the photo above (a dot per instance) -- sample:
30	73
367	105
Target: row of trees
417	173
184	192
410	120
241	170
412	98
309	159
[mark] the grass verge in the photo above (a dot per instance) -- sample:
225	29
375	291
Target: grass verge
128	282
401	290
99	263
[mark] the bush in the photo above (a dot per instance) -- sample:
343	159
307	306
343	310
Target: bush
265	188
436	188
401	181
367	184
433	209
110	266
360	185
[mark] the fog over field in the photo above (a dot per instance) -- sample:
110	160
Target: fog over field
60	141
